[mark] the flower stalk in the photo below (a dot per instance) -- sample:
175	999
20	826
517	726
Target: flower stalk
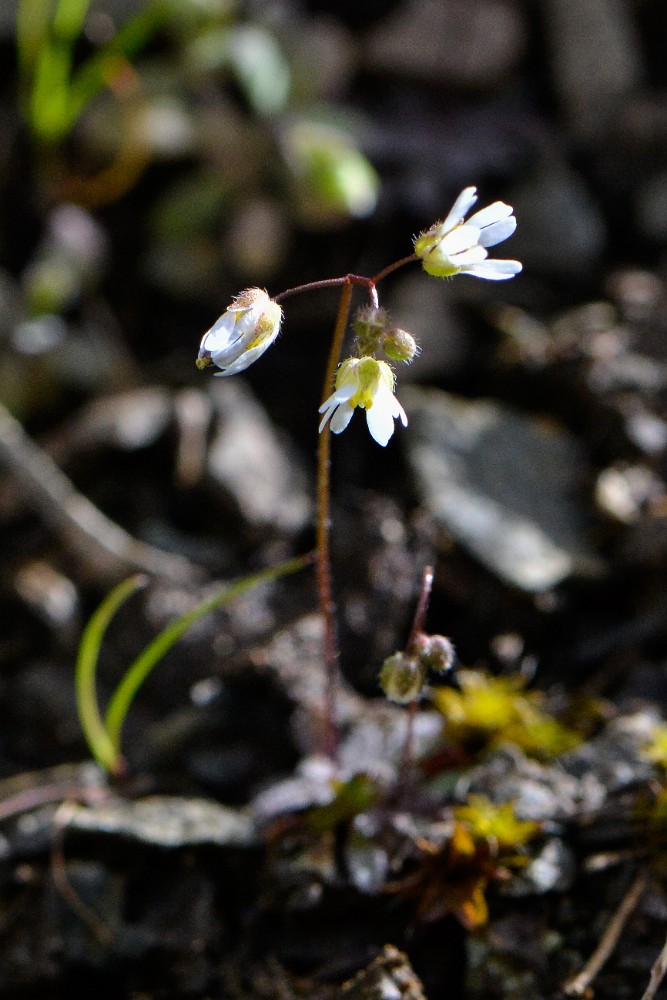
323	536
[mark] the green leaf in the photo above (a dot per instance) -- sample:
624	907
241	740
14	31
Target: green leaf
97	738
139	670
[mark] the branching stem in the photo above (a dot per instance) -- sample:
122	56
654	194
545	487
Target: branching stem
323	526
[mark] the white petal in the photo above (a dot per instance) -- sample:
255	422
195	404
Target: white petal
457	213
472	256
327	409
492	213
399	413
328	404
497	232
494	270
380	422
341	418
244	360
344	392
221	334
460	239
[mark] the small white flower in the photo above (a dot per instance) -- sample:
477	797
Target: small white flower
457	246
369	384
242	334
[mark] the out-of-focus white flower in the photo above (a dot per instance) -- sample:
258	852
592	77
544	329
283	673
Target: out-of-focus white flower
458	246
242	334
369	384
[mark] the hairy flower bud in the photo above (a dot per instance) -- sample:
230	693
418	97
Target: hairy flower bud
436	653
242	334
399	345
369	325
402	678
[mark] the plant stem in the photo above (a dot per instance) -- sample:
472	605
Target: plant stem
405	767
345	281
377	278
323	529
420	611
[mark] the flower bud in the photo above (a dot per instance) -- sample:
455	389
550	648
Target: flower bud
399	345
402	678
242	334
436	653
369	326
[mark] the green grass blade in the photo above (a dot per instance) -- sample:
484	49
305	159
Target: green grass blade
101	747
33	18
153	653
97	71
69	20
49	104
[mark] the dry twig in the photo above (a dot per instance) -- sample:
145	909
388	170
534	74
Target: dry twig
579	984
658	970
105	549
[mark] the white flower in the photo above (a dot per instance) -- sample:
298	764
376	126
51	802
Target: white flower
369	384
456	246
242	334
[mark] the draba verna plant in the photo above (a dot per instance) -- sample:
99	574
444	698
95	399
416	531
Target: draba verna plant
363	380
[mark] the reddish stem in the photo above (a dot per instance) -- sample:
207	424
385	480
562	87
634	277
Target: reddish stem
324	588
411	649
345	281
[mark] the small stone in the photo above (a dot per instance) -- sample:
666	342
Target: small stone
502	484
389	977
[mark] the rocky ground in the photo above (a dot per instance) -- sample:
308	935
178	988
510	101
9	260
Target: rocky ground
516	849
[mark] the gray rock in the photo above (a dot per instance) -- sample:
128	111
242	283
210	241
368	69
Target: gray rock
389	977
561	228
539	792
615	757
166	821
553	869
456	42
502	484
596	59
253	465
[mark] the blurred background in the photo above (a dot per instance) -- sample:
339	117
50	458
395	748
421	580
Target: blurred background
160	156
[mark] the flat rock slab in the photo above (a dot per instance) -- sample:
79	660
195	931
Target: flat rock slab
505	485
166	821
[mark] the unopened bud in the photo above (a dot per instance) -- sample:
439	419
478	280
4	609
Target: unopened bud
402	678
369	326
399	345
436	653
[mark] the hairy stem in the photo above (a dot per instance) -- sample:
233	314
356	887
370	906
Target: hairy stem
405	767
323	529
345	281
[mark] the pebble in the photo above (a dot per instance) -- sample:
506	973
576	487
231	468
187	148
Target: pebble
503	484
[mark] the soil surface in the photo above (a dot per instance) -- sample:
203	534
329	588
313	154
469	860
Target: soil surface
502	836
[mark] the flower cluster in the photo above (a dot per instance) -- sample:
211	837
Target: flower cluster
455	246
